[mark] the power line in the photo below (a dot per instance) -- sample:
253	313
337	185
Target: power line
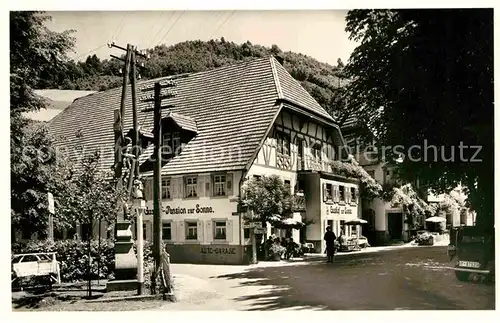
90	51
168	31
161	27
121	26
228	17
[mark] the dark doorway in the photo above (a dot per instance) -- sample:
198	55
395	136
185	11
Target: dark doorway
302	233
395	225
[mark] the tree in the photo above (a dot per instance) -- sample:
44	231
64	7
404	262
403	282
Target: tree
35	52
32	165
425	78
89	199
89	196
414	208
267	198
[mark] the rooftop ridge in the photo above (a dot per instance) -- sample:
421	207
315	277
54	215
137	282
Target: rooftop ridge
276	77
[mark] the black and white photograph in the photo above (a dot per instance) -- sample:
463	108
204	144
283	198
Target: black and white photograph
221	159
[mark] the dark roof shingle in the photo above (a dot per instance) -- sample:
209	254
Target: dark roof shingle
230	107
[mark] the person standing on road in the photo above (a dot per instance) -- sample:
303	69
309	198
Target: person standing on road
330	243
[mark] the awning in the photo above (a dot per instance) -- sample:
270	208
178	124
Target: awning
435	219
356	222
288	223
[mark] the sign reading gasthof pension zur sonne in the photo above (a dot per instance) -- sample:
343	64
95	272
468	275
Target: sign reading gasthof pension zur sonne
197	209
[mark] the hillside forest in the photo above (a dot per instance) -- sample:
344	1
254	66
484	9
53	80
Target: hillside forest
323	81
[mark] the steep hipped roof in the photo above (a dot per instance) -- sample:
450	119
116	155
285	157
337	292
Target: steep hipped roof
232	108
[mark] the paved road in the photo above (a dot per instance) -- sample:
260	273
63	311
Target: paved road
412	278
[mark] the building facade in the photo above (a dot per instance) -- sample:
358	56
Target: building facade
225	126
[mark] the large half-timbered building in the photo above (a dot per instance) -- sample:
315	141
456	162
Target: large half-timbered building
224	126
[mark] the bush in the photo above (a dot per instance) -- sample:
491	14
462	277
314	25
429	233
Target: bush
73	257
275	251
425	239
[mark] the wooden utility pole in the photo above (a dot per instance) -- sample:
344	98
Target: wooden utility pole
135	138
157	206
157	178
122	223
119	138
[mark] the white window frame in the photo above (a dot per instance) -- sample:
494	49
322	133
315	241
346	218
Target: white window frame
176	142
329	195
353	195
283	143
172	140
342	194
167	142
166	188
219	185
217	225
191	186
169	223
191	225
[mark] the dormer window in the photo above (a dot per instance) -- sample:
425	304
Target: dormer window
172	143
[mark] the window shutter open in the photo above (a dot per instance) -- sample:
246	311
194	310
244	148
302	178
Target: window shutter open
200	231
182	187
200	186
356	195
173	230
229	184
181	231
336	193
174	188
209	232
229	230
207	186
324	192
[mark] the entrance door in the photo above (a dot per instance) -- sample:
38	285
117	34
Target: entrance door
395	225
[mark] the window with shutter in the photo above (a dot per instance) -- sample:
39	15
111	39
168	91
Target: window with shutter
191	186
329	192
166	188
220	232
341	193
167	231
324	192
354	195
219	185
336	193
191	230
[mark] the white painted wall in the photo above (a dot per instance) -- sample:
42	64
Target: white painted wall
204	210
